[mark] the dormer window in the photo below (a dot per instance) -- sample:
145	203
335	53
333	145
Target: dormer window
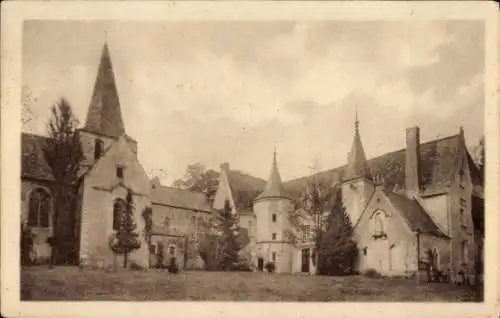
98	145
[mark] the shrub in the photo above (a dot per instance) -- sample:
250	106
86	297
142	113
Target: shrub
372	273
27	243
270	267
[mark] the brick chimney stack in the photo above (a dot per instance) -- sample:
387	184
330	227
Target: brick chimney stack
412	163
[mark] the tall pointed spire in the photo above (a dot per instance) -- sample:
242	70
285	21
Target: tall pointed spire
357	165
274	186
104	115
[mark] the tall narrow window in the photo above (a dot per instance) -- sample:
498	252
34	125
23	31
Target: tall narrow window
462	217
119	172
379	224
98	145
39	208
274	217
118	210
464	252
250	228
306	233
274	256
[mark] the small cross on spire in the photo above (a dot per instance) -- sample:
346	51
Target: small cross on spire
356	122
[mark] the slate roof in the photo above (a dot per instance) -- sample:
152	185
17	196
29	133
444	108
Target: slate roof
174	197
33	164
438	161
414	214
274	186
104	115
356	163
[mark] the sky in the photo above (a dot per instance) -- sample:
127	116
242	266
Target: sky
214	92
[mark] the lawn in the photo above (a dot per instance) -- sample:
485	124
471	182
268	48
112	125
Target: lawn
69	283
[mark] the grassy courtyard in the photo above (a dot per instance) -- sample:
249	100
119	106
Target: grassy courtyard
69	283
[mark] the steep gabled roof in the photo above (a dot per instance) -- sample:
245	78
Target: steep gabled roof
174	197
33	164
414	214
104	114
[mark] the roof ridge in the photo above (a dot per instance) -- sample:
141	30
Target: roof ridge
179	189
373	158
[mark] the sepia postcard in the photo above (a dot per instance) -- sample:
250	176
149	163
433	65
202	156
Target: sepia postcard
241	159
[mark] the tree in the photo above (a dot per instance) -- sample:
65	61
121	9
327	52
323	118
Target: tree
198	179
126	238
147	215
310	209
480	155
63	154
338	251
229	241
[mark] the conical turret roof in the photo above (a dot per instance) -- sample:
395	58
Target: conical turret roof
274	186
357	165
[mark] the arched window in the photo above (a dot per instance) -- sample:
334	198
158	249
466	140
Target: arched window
98	145
435	258
378	224
39	208
118	211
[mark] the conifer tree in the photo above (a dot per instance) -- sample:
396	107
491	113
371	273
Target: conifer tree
338	251
127	238
229	246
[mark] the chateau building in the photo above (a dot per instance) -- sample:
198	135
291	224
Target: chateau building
421	204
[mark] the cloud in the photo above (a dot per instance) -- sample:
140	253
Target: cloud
229	91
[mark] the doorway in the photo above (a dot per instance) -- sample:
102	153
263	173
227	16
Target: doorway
260	264
305	260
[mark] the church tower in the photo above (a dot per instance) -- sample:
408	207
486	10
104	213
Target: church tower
104	122
357	185
272	208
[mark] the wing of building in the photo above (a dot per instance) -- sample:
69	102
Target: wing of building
418	206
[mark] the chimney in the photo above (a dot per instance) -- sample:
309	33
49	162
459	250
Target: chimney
412	164
224	166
